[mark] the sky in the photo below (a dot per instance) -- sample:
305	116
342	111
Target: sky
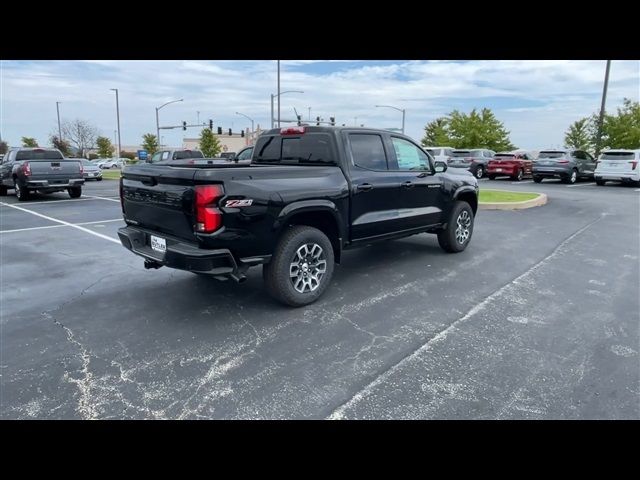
536	100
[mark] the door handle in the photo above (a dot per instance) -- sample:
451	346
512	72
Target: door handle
408	184
365	187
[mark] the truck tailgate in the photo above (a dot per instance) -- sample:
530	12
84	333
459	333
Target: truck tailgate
160	198
55	170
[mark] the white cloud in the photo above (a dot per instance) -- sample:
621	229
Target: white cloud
536	99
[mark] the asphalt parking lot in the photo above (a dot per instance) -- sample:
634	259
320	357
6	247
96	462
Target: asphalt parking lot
537	319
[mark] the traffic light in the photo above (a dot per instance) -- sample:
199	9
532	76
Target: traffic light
219	130
317	120
230	134
184	125
333	121
211	125
299	119
242	133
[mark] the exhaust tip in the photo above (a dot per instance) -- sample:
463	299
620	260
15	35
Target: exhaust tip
239	278
151	264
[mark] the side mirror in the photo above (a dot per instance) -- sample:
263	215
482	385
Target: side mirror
440	166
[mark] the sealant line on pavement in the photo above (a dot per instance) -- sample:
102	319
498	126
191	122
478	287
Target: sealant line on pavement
55	220
581	185
60	226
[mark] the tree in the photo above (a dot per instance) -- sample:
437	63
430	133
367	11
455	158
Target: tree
475	130
209	143
61	145
105	149
29	142
150	143
436	133
3	147
81	134
622	130
580	134
478	130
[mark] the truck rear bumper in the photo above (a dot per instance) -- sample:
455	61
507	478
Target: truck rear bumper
180	255
46	184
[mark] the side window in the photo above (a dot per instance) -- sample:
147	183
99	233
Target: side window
368	151
165	156
245	154
588	156
156	157
579	155
409	156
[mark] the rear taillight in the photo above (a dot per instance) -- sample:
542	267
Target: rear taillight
634	164
292	131
26	169
208	217
81	168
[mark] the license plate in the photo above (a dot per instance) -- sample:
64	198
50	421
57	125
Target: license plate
158	244
498	169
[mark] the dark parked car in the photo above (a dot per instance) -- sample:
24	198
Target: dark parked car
516	165
473	160
244	155
309	193
567	165
43	169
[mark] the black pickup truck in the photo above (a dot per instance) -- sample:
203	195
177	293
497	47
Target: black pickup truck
309	193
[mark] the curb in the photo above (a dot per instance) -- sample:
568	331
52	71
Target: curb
540	200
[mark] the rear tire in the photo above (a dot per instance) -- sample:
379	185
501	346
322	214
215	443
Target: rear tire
519	176
22	193
600	181
480	172
99	179
457	235
301	253
537	179
571	178
3	191
491	177
75	192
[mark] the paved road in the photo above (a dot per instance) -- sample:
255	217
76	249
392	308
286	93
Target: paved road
538	318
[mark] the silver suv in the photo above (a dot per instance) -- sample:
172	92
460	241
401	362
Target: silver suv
567	165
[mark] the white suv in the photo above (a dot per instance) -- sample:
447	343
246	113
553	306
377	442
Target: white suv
619	165
440	153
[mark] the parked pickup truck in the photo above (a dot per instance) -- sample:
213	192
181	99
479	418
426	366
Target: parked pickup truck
41	169
309	193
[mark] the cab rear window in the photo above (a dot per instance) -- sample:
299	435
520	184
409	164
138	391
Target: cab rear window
306	149
39	155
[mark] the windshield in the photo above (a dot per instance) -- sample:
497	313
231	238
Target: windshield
551	154
461	153
618	156
39	155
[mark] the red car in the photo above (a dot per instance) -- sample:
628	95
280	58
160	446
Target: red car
516	165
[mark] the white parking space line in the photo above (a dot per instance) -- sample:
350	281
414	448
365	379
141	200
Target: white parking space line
60	201
105	198
581	185
60	226
55	220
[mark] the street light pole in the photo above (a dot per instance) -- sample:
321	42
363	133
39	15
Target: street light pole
242	114
278	95
118	118
157	117
398	109
59	129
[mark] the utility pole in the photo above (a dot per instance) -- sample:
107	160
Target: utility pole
604	100
118	118
59	129
278	93
198	117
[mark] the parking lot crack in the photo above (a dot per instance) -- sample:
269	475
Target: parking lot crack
341	411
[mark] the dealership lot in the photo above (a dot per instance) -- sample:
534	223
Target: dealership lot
538	318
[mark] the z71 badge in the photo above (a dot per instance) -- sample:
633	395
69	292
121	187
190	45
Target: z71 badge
238	203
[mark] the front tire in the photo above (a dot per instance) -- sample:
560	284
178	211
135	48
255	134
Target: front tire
3	191
537	179
99	179
600	181
22	193
480	172
519	176
491	177
75	192
301	266
457	235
